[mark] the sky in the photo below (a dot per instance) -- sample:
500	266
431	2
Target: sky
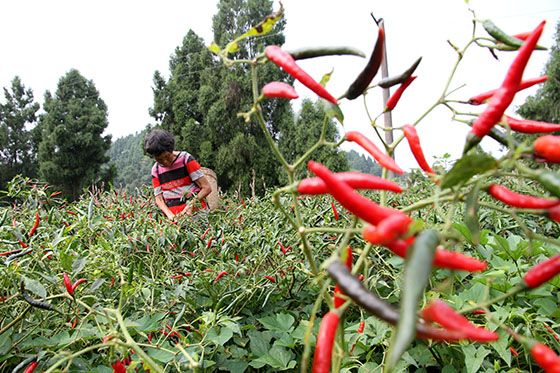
120	44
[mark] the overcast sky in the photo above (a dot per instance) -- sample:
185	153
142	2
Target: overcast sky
119	45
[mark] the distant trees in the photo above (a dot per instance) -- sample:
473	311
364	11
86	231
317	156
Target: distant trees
200	101
359	162
72	148
134	167
18	140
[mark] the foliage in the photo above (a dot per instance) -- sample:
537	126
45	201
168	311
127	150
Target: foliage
18	145
72	148
360	162
132	165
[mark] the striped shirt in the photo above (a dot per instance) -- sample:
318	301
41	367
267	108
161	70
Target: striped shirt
176	182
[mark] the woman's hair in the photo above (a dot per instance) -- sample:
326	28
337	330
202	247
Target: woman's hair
158	141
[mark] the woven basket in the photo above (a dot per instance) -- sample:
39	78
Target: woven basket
212	199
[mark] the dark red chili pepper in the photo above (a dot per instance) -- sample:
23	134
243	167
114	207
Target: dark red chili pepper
35	225
325	341
442	258
388	230
438	311
357	180
414	142
383	159
338	301
220	275
370	302
279	90
531	126
334	211
546	358
287	62
55	194
368	73
479	99
514	199
67	283
395	97
359	205
548	147
542	272
10	252
504	95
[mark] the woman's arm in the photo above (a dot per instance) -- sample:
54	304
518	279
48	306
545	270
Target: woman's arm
205	189
163	207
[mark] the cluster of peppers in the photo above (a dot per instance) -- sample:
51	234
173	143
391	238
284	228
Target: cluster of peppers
389	227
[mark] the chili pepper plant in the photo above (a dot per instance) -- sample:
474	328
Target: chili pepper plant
107	283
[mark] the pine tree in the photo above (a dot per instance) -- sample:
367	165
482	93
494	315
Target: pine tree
73	149
18	153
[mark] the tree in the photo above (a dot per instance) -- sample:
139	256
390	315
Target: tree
545	104
134	167
361	163
73	150
18	152
200	101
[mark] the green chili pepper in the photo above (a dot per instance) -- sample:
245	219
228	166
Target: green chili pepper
312	52
130	273
401	78
550	181
503	37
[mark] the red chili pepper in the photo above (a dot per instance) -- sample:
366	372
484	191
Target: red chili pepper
478	312
67	283
504	95
279	90
31	367
548	147
546	358
287	62
270	278
10	252
414	142
360	331
75	284
334	211
551	332
205	232
359	205
55	194
325	341
284	251
118	367
438	311
357	180
35	225
71	212
209	241
513	351
220	275
395	97
531	126
22	244
542	272
514	199
388	230
442	258
368	73
479	99
383	159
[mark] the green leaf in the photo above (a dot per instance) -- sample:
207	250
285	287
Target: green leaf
235	365
417	270
35	287
547	306
474	357
264	26
220	339
281	323
467	167
160	355
78	265
332	110
5	342
501	346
